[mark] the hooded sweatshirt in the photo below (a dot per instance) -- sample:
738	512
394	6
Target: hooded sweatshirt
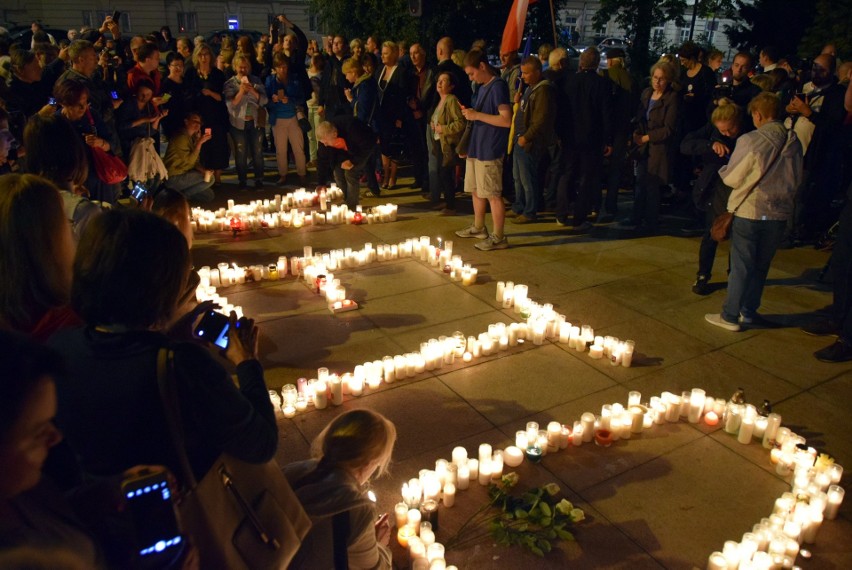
333	492
769	160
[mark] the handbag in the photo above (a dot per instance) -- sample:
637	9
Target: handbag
109	168
240	515
721	228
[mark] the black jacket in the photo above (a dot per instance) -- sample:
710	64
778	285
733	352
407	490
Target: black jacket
589	100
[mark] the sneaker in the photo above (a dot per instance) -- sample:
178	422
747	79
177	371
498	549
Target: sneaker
492	242
702	286
370	194
583	228
510	213
822	328
522	219
473	232
716	319
840	351
448	212
756	320
561	222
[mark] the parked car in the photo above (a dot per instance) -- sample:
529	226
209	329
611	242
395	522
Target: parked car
614	43
24	36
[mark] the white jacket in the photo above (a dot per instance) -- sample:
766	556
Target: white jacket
770	158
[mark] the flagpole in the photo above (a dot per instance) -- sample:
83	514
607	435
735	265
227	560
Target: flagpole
553	22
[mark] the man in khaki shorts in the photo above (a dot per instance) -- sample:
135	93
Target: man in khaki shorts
489	137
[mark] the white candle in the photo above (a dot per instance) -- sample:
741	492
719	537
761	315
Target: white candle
449	497
336	390
320	395
697	399
459	456
746	430
485	453
773	422
463	477
835	498
513	455
485	472
717	561
497	465
473	468
401	514
414	518
588	422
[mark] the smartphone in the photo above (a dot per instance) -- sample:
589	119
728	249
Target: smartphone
139	191
51	101
208	131
165	97
114	95
213	327
115	16
148	499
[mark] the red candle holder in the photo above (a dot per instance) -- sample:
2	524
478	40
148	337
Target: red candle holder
603	437
357	218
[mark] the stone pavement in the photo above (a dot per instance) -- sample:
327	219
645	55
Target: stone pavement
665	498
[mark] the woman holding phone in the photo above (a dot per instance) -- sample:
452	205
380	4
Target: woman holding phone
130	272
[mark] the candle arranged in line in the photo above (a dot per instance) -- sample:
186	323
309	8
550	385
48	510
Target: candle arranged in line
295	210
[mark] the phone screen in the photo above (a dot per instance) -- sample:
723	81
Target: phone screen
139	191
114	95
213	327
51	101
149	501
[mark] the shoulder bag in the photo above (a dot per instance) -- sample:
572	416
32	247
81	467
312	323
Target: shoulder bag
109	168
240	516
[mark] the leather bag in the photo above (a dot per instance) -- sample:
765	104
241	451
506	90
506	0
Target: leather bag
240	515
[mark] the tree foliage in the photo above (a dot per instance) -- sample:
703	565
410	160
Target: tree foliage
831	24
636	18
462	20
779	23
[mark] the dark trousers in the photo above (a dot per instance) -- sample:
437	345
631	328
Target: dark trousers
616	165
446	180
841	268
586	165
646	202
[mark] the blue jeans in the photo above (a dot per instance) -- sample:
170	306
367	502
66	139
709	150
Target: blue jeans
192	185
248	140
753	245
525	171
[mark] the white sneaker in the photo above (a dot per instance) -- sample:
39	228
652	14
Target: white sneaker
716	319
473	232
492	242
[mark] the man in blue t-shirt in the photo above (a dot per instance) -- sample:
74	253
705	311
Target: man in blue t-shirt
491	118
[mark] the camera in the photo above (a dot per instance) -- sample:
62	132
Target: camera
156	535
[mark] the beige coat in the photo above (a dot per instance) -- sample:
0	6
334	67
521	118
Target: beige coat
453	124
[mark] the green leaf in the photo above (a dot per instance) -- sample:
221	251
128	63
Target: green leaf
545	509
521	514
546	521
537	551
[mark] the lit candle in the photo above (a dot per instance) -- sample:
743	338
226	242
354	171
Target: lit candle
697	398
835	498
400	511
459	455
449	496
711	418
513	456
404	534
463	477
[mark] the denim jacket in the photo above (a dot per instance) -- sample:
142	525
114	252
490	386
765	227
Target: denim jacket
248	105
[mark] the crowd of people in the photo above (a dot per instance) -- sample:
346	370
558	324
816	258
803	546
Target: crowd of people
96	282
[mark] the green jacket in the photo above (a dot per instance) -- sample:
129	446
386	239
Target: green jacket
181	155
540	117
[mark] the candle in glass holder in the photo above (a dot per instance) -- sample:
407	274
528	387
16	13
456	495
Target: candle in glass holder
835	498
429	513
400	511
449	495
463	477
404	534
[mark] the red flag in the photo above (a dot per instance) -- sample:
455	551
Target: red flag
514	29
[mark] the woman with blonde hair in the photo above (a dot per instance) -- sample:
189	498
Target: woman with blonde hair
713	143
206	82
353	448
